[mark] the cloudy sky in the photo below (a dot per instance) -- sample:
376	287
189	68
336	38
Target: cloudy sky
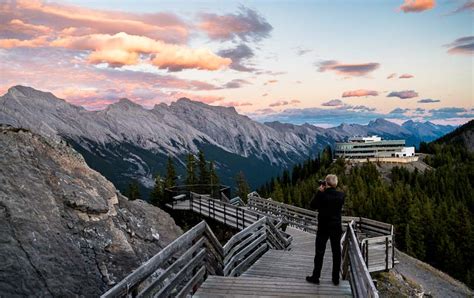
322	62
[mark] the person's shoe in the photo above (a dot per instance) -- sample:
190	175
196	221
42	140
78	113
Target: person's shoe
312	279
335	282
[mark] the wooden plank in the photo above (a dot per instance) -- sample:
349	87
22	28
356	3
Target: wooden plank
179	277
245	263
242	244
229	266
150	266
152	287
193	282
240	235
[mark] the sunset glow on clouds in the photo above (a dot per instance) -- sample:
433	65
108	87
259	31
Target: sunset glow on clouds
272	61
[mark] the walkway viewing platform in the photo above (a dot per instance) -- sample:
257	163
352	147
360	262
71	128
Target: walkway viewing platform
280	273
270	256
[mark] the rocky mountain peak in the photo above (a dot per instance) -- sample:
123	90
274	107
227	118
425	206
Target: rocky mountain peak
20	91
65	229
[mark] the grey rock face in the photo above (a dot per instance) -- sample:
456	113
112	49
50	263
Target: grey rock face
64	229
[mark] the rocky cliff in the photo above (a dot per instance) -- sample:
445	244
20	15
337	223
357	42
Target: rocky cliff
64	228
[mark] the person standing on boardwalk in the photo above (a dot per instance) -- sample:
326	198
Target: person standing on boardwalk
328	201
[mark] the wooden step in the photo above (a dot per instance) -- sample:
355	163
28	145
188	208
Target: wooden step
219	286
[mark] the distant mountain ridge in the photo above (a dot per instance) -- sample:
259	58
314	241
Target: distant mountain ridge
463	135
126	141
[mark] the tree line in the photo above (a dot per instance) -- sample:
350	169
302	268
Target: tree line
432	210
199	171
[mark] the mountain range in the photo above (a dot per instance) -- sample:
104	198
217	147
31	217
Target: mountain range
125	141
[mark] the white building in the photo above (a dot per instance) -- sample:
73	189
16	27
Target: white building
373	147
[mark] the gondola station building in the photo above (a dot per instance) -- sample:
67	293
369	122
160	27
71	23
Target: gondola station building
373	148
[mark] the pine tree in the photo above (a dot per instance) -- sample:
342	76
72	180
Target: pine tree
157	195
133	191
213	178
191	177
243	188
277	194
204	176
171	177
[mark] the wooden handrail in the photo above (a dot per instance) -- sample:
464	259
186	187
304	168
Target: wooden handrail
361	282
202	242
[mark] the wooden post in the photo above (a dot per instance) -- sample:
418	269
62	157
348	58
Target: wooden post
224	215
386	253
367	253
237	218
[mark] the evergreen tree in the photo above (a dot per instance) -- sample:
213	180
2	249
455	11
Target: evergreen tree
213	178
277	194
171	177
191	177
204	175
243	188
133	191
157	195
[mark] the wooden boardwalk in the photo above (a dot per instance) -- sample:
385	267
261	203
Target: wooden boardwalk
280	273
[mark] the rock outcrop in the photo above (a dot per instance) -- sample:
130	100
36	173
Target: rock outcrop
64	229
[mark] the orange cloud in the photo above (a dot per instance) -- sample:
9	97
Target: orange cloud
28	43
270	82
417	5
124	49
26	28
360	93
163	26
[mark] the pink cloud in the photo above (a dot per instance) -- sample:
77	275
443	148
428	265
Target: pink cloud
360	93
270	82
417	5
236	104
163	26
124	49
208	99
345	69
295	101
403	94
391	76
333	103
462	46
264	94
406	76
279	103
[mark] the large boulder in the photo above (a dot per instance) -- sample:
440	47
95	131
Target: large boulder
64	229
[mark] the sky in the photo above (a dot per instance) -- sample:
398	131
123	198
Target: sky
323	62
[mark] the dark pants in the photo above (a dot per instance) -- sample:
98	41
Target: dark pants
334	234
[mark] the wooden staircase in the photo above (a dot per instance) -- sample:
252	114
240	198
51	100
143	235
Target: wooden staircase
280	273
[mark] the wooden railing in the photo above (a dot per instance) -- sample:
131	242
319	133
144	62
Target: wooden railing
301	218
181	267
354	267
376	238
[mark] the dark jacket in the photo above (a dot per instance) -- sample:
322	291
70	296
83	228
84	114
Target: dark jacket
329	205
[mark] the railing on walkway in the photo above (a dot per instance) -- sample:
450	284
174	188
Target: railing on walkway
376	238
181	267
353	266
216	191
